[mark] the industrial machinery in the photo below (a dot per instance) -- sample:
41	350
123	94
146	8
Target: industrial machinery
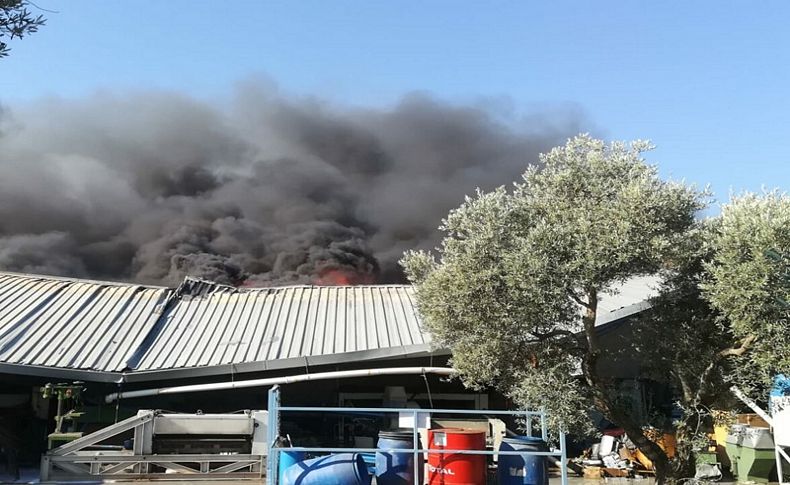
67	395
156	444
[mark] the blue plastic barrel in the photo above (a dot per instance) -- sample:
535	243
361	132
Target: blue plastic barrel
337	469
781	386
522	469
288	458
397	468
370	461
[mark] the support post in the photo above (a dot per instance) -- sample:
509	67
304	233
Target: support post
780	453
563	458
143	441
273	432
757	409
46	468
544	428
416	447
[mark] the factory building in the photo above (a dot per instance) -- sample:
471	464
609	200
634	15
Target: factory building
120	337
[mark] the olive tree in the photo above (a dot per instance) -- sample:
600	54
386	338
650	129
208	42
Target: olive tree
684	341
722	317
749	281
514	288
16	21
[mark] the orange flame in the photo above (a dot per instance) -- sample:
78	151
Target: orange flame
343	277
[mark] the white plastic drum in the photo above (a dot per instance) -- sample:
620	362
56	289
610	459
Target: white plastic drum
780	412
607	446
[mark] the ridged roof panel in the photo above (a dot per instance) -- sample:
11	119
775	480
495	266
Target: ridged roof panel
81	325
74	324
209	325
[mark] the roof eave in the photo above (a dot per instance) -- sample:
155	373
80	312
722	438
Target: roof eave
404	352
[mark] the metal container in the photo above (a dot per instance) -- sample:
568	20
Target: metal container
733	446
756	459
456	468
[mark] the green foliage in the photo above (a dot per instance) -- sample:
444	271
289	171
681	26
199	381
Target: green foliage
682	333
749	278
519	273
683	342
16	21
514	289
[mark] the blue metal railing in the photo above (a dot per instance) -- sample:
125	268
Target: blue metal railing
274	432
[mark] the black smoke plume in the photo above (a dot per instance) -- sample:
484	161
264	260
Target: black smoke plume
267	189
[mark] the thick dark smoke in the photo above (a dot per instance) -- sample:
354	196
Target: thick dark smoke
271	189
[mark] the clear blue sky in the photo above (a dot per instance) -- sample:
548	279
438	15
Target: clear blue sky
707	81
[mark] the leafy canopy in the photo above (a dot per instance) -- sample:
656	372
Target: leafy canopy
16	21
519	274
749	276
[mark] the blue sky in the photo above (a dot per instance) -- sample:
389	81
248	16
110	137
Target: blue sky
707	81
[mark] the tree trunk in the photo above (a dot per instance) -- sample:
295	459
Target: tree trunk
600	392
665	473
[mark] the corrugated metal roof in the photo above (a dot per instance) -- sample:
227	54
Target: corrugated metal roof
627	298
74	324
81	325
65	327
209	325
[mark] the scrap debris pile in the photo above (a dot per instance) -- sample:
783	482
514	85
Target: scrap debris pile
617	456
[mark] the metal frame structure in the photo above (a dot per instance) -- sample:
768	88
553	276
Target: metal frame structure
480	400
781	432
75	461
779	449
780	452
275	410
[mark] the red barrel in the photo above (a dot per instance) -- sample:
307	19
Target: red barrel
455	468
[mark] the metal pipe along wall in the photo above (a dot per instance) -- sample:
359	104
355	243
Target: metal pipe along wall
445	371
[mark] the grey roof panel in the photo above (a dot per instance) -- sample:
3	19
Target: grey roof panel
212	325
73	324
626	298
94	327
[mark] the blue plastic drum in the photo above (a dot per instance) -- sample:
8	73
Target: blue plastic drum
288	458
522	469
338	469
397	468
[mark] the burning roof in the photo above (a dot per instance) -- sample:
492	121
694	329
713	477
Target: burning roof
105	331
99	330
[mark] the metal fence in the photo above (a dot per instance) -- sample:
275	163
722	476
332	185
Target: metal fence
275	409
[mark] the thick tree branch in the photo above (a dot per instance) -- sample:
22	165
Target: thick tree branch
554	333
590	315
576	298
738	351
685	385
704	378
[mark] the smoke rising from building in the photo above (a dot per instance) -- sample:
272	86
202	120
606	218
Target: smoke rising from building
268	189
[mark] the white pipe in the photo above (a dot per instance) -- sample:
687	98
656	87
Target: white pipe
386	371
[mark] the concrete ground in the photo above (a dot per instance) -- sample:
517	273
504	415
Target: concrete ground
30	475
553	481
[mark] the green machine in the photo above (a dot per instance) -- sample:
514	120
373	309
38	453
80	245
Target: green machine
757	459
69	397
733	446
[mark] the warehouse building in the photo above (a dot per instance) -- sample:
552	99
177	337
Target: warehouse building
119	337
